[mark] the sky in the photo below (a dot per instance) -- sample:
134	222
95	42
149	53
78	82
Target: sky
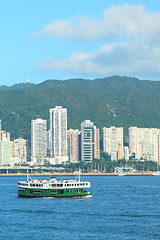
59	39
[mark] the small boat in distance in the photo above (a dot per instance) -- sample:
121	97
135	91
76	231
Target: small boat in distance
54	188
156	173
121	174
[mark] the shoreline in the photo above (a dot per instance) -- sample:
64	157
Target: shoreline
72	174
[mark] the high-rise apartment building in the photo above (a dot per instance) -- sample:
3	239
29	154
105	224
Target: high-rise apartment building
156	146
73	145
126	153
19	150
58	133
113	142
38	139
144	143
5	149
114	145
96	143
89	141
4	135
79	143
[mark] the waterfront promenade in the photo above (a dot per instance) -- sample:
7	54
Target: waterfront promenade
72	174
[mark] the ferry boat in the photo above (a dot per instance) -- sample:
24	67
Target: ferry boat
54	188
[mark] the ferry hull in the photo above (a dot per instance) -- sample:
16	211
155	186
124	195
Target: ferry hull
49	193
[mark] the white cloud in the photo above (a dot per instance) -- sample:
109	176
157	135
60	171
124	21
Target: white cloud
118	22
109	60
137	29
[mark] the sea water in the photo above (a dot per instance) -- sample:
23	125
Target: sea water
126	207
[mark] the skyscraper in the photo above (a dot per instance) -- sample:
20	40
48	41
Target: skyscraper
113	142
89	141
144	143
114	146
38	139
5	148
58	133
19	150
4	136
73	145
96	143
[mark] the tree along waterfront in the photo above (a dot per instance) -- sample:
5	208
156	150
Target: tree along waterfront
103	165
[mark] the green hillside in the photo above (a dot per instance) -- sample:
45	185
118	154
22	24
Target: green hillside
119	101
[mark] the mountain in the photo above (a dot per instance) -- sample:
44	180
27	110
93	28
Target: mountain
111	101
17	86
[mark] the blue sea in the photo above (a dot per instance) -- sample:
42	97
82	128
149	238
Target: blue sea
120	208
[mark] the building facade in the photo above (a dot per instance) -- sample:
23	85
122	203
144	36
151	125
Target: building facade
19	151
73	145
126	153
5	148
38	139
113	142
58	134
90	148
144	143
96	143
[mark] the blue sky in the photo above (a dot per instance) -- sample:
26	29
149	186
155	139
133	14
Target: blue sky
59	39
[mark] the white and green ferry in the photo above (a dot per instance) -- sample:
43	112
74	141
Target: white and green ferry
54	188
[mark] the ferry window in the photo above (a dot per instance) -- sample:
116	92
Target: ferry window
78	184
86	183
67	184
